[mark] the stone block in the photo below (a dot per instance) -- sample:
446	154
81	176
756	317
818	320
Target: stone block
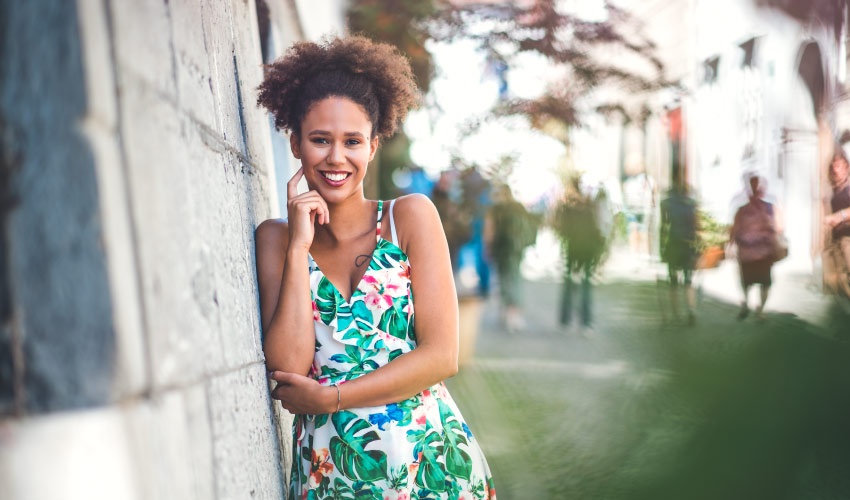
225	74
245	447
194	78
174	248
142	39
81	455
250	65
171	444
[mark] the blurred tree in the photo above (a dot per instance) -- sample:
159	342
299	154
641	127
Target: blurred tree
400	23
581	47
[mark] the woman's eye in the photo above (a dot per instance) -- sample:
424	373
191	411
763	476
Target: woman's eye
319	140
352	142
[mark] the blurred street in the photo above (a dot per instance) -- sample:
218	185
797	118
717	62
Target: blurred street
726	409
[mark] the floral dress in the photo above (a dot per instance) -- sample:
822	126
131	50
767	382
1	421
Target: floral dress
413	449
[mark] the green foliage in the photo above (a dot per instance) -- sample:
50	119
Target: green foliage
711	233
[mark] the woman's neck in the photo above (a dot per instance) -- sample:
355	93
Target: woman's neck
349	219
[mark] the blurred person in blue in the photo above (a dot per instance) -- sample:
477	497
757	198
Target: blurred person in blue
476	200
755	232
679	245
838	220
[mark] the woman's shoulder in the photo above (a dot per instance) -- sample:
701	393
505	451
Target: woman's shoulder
415	215
272	233
413	204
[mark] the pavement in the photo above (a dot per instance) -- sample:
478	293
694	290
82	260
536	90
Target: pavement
636	408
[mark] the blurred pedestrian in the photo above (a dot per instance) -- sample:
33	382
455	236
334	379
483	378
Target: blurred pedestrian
513	230
679	246
457	222
755	232
576	221
838	221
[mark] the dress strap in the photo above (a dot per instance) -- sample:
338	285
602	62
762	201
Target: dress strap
380	218
392	223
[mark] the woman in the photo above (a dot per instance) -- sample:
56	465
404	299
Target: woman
374	419
838	220
755	231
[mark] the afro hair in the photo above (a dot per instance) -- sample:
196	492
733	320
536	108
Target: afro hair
372	74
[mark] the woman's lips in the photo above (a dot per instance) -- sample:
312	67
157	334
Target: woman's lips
335	178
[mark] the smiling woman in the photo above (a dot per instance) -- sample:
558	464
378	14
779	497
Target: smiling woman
373	417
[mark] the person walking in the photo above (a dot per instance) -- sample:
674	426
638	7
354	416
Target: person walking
679	246
577	224
337	282
514	230
755	232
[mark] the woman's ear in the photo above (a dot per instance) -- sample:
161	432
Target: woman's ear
295	145
373	147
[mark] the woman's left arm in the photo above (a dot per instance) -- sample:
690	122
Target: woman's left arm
435	357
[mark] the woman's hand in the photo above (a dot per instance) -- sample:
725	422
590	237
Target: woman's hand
300	394
302	211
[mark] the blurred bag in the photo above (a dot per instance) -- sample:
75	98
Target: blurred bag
781	250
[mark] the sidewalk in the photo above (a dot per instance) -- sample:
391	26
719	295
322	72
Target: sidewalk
725	409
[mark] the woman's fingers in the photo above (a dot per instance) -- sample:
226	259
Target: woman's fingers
315	202
292	185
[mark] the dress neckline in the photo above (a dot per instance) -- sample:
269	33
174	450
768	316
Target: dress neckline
379	243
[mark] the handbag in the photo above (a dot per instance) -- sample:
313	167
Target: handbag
781	248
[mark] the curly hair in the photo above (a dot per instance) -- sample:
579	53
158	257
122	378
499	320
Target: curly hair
372	74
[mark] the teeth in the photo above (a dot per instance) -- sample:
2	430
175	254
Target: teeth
334	177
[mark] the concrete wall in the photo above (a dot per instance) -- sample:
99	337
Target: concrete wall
134	168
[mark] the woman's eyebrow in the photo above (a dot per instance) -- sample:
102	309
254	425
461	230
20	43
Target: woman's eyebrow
347	134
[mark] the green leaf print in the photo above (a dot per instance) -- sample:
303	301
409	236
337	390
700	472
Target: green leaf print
325	300
386	255
330	372
363	316
361	359
458	462
394	320
366	491
398	479
430	474
348	450
321	420
341	490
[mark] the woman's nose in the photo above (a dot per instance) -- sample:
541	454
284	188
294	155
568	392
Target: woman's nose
335	156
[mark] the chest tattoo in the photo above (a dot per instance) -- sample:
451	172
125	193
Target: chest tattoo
361	259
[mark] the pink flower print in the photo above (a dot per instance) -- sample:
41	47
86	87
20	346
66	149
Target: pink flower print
316	315
370	282
465	495
401	494
378	302
395	284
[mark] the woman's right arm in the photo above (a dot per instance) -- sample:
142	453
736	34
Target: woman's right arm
284	283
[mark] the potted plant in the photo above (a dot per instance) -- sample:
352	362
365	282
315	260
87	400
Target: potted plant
712	239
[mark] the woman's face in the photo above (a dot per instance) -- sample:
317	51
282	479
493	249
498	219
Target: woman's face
840	170
335	147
